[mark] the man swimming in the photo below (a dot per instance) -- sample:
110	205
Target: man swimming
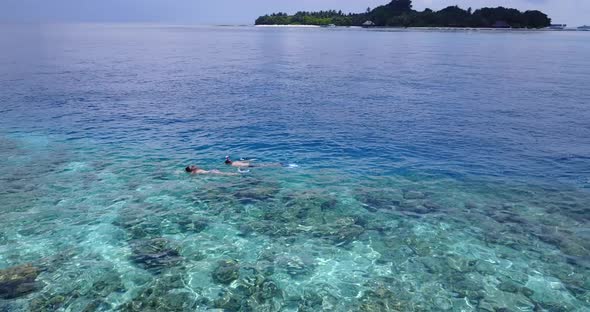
248	163
197	170
239	164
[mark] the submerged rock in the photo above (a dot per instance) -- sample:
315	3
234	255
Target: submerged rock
18	281
578	284
226	271
46	302
379	199
255	194
507	216
251	292
311	302
188	224
258	286
82	288
155	254
231	302
266	290
466	286
470	205
165	293
245	229
527	291
461	264
342	232
245	191
347	234
319	297
413	209
294	265
272	229
423	246
139	222
508	286
309	206
109	282
97	305
432	206
381	299
411	195
212	194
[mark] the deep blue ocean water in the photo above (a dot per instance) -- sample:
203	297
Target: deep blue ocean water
434	170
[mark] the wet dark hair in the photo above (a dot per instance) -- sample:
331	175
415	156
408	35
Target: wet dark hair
228	162
188	169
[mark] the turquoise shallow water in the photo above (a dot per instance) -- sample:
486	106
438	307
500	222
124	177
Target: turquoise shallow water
436	171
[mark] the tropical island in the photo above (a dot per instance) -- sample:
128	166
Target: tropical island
399	13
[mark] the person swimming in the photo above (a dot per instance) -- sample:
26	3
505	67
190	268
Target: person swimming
239	164
196	170
247	163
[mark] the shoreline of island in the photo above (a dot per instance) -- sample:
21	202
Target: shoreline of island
400	14
446	29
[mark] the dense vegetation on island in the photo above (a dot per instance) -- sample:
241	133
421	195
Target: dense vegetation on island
399	13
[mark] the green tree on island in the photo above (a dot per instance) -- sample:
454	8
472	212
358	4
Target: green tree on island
399	13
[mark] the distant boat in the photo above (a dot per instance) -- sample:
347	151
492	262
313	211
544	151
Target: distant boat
557	26
331	25
368	24
584	28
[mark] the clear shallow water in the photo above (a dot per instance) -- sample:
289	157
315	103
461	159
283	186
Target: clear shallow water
437	171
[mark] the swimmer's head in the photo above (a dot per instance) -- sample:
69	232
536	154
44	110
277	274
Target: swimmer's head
188	169
227	160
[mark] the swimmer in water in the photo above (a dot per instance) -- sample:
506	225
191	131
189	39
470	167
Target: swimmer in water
197	170
239	164
248	164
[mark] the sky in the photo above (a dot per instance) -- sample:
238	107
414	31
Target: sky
571	12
